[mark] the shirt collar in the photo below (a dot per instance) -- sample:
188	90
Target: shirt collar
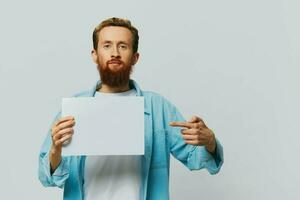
132	84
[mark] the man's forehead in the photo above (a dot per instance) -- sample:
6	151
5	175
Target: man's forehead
115	34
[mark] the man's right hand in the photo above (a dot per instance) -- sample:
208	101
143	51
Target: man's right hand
61	132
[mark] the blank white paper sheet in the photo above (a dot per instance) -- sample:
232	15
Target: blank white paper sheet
105	125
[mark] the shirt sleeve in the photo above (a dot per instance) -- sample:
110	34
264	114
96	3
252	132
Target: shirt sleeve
193	157
60	175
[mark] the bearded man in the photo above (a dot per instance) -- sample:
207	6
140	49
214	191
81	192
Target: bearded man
134	177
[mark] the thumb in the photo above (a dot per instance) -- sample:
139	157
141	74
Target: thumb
194	119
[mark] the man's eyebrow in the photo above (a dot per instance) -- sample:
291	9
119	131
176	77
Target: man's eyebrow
119	42
123	42
106	41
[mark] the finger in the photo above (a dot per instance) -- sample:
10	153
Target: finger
200	138
56	127
63	132
181	124
190	131
202	135
195	119
190	137
66	124
63	119
63	139
198	121
196	125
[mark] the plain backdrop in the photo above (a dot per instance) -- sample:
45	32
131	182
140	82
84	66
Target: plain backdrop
235	63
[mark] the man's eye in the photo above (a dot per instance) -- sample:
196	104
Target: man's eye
123	46
106	46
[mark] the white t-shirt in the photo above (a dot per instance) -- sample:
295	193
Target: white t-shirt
113	177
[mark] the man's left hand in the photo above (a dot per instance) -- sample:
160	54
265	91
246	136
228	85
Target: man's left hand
195	132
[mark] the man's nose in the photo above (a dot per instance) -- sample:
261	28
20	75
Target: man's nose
115	52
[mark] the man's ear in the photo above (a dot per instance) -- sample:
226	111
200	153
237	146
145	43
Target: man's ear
135	58
94	55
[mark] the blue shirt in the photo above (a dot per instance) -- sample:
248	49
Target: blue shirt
161	140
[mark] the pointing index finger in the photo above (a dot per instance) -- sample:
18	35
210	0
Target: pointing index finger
181	124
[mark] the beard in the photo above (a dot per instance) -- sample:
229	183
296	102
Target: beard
114	78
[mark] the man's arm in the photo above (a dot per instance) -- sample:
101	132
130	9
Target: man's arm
192	142
61	132
53	168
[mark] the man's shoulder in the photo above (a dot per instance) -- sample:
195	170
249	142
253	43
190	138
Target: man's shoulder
152	95
85	93
156	97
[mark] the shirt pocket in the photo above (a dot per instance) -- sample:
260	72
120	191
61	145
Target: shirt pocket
160	153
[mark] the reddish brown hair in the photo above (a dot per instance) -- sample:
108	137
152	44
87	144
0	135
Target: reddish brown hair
117	22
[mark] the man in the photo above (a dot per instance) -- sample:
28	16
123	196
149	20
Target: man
115	51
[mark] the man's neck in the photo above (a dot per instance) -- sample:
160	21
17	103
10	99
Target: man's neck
108	89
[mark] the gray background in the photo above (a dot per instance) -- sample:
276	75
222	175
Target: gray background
235	63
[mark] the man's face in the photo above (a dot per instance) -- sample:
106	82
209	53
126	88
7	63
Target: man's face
114	56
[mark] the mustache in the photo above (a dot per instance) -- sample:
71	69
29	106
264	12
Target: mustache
112	61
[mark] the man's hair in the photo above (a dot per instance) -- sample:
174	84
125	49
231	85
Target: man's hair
117	22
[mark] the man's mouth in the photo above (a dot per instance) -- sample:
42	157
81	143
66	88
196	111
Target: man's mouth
118	62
